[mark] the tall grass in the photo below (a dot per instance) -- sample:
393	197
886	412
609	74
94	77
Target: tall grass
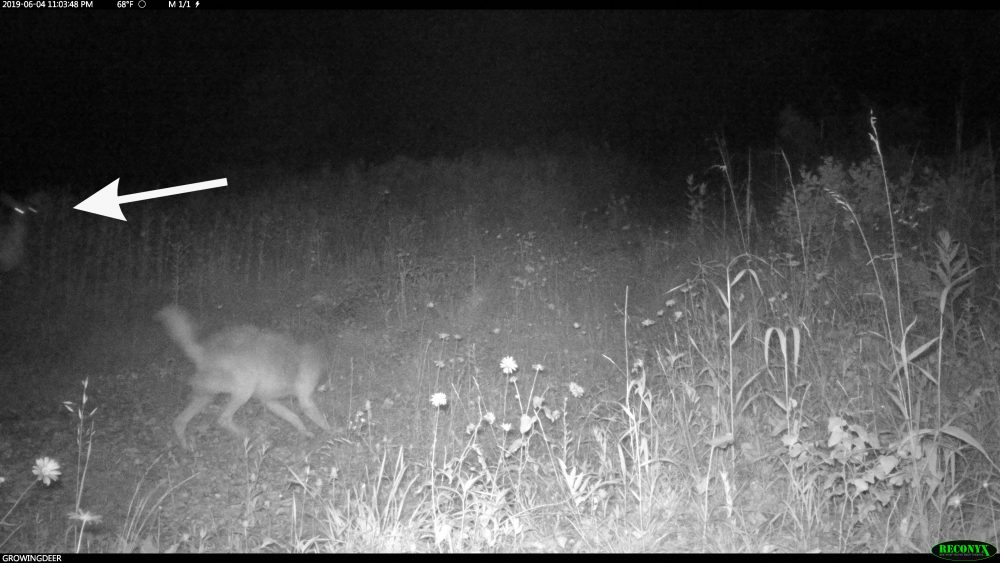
519	372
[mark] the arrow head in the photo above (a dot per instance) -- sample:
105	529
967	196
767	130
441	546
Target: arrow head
104	202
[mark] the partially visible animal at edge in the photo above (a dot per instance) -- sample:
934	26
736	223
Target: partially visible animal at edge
13	231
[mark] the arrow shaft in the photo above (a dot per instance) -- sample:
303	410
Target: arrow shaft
164	192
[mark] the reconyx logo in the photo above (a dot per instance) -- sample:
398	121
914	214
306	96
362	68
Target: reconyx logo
964	550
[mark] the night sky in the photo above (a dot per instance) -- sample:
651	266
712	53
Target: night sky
92	95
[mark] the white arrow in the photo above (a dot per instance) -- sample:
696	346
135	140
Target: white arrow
107	201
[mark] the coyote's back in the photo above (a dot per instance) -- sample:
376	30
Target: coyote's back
245	361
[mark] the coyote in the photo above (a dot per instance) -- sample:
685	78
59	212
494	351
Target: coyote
245	361
14	234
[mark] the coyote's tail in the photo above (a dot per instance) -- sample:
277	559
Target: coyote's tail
181	329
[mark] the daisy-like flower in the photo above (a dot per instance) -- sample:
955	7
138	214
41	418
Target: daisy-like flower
508	365
659	313
439	364
496	330
456	336
439	399
85	516
647	322
46	470
538	367
670	302
489	417
527	422
443	336
430	304
678	315
576	326
537	401
505	427
470	428
512	379
576	390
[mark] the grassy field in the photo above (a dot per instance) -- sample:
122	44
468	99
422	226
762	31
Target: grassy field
535	351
